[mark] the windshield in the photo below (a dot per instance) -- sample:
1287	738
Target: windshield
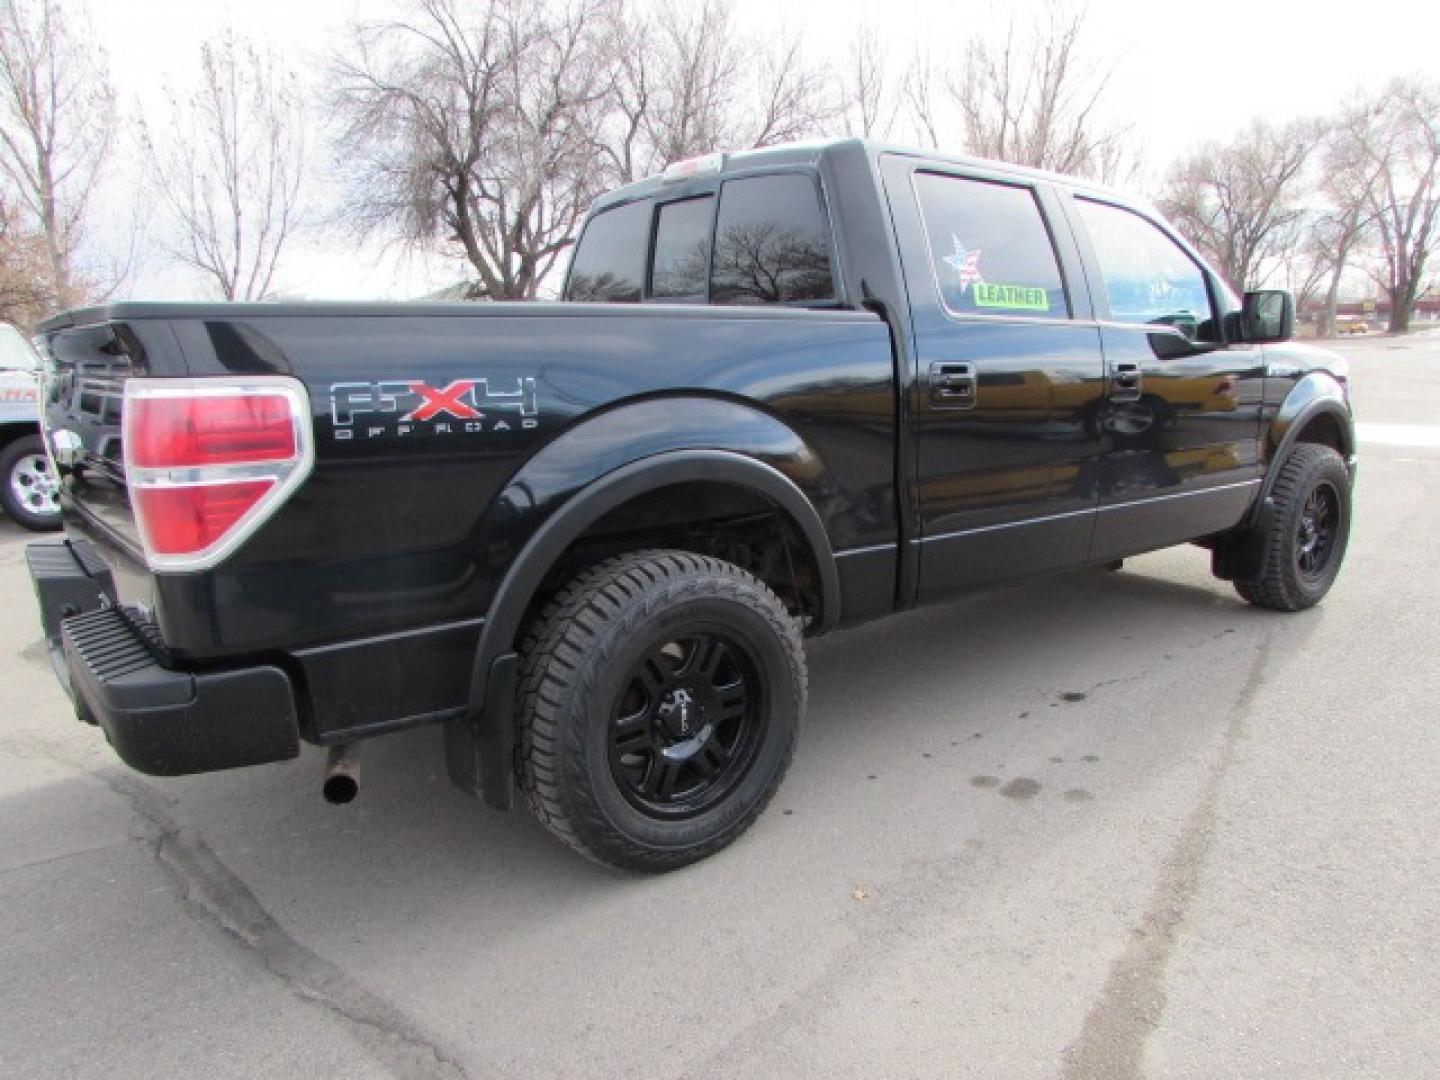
15	352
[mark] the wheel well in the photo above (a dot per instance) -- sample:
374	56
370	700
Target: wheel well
725	520
10	432
1325	430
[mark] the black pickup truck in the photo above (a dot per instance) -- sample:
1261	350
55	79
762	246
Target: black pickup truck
786	391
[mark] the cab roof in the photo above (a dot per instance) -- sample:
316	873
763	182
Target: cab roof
811	153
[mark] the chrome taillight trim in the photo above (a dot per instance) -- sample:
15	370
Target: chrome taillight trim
287	474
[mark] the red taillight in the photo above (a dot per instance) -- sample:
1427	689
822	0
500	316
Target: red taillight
207	461
186	519
178	432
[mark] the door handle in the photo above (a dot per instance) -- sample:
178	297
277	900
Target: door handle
1126	380
952	386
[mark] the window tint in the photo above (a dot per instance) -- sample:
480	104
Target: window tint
610	260
682	250
991	252
771	243
1148	277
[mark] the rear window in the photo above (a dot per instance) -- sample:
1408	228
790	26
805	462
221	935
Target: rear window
771	243
610	261
682	250
990	249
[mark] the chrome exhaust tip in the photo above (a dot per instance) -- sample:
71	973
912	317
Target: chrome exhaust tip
342	774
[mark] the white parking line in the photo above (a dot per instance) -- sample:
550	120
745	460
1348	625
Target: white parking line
1399	434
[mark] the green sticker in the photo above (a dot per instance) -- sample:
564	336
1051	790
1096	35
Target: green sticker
1014	297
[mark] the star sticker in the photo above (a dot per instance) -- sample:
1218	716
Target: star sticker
966	264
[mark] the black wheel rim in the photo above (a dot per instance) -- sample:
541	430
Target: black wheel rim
687	723
1317	530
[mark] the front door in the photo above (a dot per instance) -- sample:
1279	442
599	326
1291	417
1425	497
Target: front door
1182	408
1009	383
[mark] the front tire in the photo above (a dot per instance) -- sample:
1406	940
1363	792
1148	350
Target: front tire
29	491
1305	538
659	702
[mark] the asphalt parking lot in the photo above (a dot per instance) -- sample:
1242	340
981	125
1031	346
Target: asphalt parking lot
1112	825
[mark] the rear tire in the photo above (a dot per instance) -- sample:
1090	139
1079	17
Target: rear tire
1308	530
660	698
29	491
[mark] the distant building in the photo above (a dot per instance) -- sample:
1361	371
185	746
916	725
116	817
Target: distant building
1427	309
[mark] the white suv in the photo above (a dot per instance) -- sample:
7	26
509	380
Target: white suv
29	491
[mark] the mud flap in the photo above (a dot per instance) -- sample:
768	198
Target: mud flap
480	747
1238	555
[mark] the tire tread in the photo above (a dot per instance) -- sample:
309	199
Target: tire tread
554	646
1275	587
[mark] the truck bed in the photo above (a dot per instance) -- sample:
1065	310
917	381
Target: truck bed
396	544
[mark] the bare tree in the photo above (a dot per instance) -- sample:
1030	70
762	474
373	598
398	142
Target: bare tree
687	83
1306	259
791	95
1033	98
918	91
627	144
866	89
231	167
679	70
24	262
473	124
57	113
1239	201
1395	137
1338	232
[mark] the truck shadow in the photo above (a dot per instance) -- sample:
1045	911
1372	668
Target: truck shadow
1020	638
415	896
413	854
986	658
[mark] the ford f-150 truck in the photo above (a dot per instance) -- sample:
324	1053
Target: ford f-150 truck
785	391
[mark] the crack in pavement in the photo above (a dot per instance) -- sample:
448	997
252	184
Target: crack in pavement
1112	1040
1116	1028
214	895
51	860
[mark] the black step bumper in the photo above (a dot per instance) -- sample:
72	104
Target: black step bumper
160	720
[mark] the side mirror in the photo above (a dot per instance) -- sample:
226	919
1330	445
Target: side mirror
1268	315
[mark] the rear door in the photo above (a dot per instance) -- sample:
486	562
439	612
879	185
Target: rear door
1182	407
1008	385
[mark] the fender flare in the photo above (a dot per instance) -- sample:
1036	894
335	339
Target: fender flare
492	679
1317	394
10	430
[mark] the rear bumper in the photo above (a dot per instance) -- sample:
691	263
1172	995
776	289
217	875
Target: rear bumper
160	720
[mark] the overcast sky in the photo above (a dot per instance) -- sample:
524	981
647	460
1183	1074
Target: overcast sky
1183	73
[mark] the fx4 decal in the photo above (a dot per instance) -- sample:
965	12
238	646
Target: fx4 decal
370	410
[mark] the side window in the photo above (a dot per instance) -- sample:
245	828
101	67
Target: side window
1149	279
990	249
609	262
772	245
682	250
